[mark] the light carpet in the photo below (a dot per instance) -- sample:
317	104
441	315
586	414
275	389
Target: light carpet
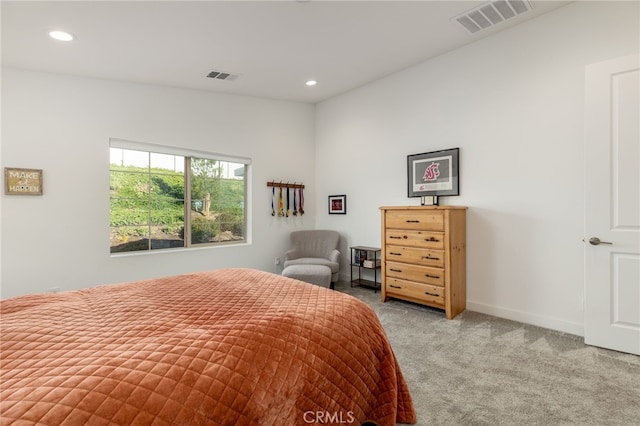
481	370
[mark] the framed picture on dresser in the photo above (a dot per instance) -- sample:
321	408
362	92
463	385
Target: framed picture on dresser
433	173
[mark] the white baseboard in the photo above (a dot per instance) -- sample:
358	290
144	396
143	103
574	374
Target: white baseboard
527	318
519	316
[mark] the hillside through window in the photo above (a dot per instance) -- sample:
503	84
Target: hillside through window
163	200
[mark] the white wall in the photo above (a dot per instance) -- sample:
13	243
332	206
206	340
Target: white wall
513	103
62	124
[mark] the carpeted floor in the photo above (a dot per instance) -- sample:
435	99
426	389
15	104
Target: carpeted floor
481	370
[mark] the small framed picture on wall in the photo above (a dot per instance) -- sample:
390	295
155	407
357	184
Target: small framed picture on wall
337	204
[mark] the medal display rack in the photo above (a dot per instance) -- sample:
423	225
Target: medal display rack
285	185
287	199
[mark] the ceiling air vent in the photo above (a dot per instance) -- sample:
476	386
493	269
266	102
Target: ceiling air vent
492	13
222	75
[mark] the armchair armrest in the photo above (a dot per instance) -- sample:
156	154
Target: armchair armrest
291	254
335	256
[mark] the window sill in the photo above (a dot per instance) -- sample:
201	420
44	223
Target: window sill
179	250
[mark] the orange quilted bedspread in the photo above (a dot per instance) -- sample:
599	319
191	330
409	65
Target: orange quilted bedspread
226	347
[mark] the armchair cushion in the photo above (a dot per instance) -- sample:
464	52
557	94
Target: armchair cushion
335	266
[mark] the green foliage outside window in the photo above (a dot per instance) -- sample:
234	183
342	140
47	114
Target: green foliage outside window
148	204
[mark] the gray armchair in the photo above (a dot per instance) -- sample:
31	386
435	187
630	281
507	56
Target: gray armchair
315	247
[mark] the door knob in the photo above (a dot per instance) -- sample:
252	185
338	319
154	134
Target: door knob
595	241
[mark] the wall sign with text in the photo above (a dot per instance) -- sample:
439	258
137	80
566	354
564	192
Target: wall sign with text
22	181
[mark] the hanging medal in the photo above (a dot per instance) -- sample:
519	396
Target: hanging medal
273	201
295	207
301	202
280	204
287	211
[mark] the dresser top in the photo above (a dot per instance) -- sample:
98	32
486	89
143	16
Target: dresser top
423	208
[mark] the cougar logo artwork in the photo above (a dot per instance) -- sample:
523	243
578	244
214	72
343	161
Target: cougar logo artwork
432	172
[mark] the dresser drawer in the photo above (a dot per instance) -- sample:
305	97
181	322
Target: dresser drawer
424	239
418	256
407	219
423	292
422	274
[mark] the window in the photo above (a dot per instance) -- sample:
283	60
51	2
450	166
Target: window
164	198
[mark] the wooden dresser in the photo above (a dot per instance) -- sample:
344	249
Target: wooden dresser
423	256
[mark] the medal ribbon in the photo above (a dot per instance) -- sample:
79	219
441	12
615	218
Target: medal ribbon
287	211
301	209
295	208
273	201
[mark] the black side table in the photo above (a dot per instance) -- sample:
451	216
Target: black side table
364	257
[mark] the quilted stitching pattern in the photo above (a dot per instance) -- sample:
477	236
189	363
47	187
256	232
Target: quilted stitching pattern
227	347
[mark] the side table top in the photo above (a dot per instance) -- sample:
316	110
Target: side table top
366	248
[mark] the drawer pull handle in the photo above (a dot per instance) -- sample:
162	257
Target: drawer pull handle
395	270
413	221
430	276
394	254
430	257
432	239
431	294
395	238
394	286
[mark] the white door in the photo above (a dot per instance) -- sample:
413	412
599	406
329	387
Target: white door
612	205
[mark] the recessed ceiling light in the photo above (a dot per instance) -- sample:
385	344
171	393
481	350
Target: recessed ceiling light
311	83
61	35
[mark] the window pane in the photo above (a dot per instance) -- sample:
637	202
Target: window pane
128	157
129	238
167	222
217	201
130	183
203	230
171	163
167	185
232	230
129	211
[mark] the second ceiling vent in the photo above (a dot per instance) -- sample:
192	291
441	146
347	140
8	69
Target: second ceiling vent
222	75
492	13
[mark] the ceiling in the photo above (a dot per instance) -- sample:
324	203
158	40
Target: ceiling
273	46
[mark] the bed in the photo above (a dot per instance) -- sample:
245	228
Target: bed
224	347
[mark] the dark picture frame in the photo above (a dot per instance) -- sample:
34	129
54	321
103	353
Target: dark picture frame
433	173
337	204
